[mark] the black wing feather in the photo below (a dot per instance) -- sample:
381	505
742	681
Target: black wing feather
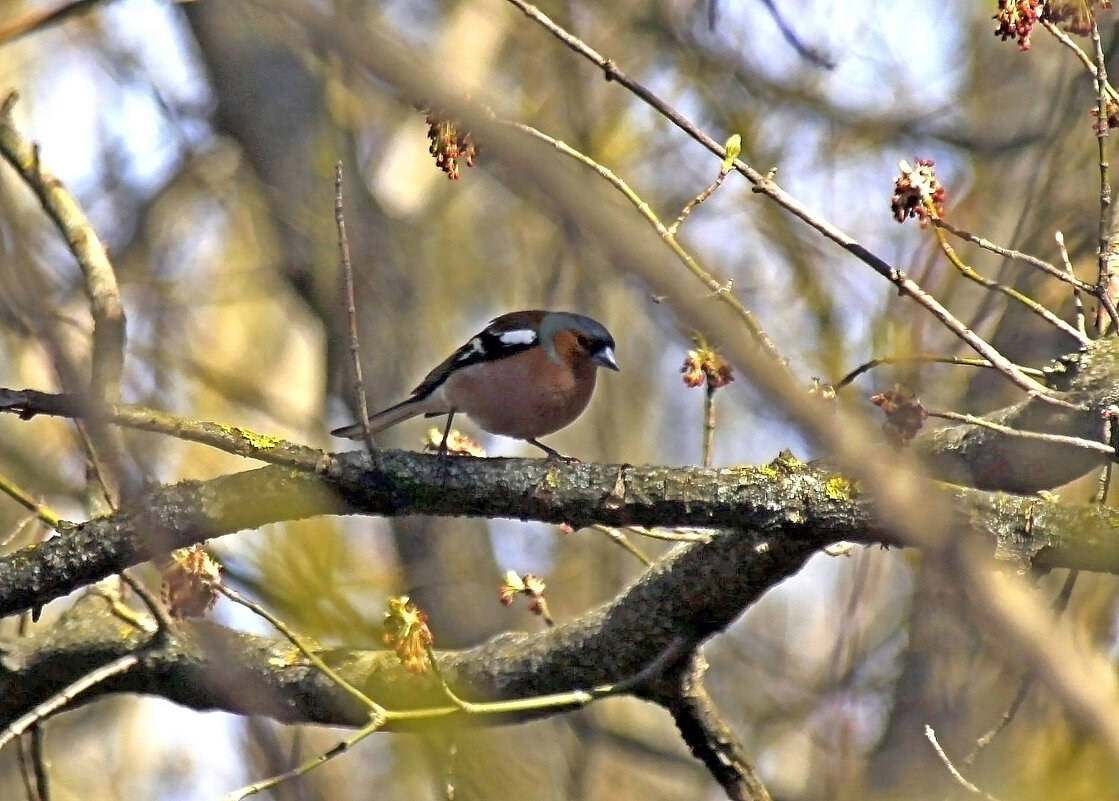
486	346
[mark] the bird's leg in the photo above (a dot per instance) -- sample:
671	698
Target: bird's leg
446	433
552	452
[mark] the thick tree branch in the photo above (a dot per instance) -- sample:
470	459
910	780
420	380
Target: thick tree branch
777	516
800	503
965	454
208	666
706	734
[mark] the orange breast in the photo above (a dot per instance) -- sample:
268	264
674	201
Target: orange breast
524	396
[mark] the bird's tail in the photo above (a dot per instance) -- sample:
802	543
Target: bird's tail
413	407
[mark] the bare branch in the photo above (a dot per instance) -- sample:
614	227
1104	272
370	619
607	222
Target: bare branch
766	186
817	508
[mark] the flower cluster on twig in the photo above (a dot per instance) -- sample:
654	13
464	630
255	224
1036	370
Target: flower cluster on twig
905	415
450	144
918	193
529	585
406	632
704	365
190	582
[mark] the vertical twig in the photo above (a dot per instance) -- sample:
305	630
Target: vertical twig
99	282
452	753
1081	325
708	422
23	756
39	764
1108	251
351	309
1081	56
32	760
1110	415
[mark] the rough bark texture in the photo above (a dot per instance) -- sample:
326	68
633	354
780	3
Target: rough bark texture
772	518
801	502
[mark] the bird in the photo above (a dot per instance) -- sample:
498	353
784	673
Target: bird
525	375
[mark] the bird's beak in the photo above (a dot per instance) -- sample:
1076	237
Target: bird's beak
605	358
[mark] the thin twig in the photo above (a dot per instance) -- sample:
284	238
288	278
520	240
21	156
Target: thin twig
1077	287
695	201
32	760
766	186
971	788
812	54
40	510
669	535
351	309
23	756
1054	439
376	709
99	282
33	766
1107	247
375	723
576	698
114	598
1104	485
433	660
1059	605
718	289
1060	602
449	774
619	538
1108	305
66	696
967	271
151	601
18	529
708	422
923	359
1013	255
230	439
1007	718
26	770
379	715
1081	56
39	763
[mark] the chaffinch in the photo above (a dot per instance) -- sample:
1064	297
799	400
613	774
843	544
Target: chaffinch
527	374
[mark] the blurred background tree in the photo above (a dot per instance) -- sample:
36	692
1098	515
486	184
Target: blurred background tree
201	139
